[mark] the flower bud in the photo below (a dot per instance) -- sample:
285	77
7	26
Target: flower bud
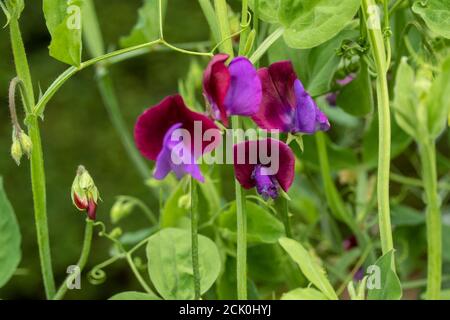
16	151
84	193
121	209
26	143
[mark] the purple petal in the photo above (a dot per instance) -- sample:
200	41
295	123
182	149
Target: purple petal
308	116
245	92
169	160
266	185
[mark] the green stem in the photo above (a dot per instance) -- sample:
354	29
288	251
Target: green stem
36	160
194	239
283	207
241	257
224	26
94	40
384	133
241	213
244	21
267	43
137	274
89	229
427	152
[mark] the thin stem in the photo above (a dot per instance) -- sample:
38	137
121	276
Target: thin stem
244	18
36	159
427	152
137	274
12	104
208	12
267	43
283	207
89	229
241	255
94	40
224	26
384	143
193	53
194	239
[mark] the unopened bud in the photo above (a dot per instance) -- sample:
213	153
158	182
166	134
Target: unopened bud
121	209
26	143
84	193
184	202
16	151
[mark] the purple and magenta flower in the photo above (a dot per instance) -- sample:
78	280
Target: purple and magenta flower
154	136
286	105
231	90
253	171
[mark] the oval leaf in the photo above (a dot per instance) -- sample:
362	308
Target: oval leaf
304	294
10	238
134	295
436	14
63	19
311	23
262	227
170	263
382	282
310	268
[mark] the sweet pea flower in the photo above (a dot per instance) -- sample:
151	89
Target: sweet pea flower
231	90
154	137
286	106
261	174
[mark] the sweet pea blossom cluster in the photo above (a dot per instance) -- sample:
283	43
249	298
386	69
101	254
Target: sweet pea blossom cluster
273	97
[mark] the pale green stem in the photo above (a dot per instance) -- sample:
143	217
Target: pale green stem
244	19
384	144
36	160
137	274
81	261
194	239
267	43
427	152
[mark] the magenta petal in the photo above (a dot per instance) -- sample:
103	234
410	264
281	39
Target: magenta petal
216	82
244	95
277	108
181	164
245	171
153	124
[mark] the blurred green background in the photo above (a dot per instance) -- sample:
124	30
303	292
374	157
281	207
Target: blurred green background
77	130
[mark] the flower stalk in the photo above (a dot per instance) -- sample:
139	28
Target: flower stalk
36	158
427	150
372	20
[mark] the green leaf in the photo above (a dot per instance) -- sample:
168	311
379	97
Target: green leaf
134	295
146	28
10	238
311	23
436	14
389	285
173	213
309	266
356	98
405	99
267	9
262	227
63	19
304	294
170	263
438	101
315	67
